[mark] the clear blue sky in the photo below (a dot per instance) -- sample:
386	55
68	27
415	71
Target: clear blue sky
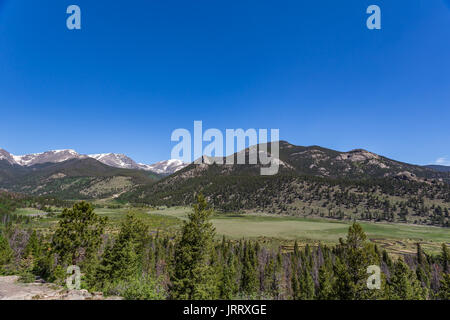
140	69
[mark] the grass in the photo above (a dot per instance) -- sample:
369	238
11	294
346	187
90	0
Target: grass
154	221
399	238
115	218
28	211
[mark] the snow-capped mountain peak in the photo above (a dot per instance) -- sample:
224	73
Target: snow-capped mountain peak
48	156
116	160
5	155
166	166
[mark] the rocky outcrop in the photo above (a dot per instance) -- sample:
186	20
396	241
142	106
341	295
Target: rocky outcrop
11	289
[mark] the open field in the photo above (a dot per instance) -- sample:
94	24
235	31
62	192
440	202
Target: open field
154	221
43	222
29	212
400	238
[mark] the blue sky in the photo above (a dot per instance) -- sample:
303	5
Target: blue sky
140	69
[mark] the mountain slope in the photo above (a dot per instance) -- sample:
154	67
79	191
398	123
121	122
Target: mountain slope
166	167
356	164
84	178
116	160
439	167
312	181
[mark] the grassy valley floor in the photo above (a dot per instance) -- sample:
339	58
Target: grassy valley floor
395	238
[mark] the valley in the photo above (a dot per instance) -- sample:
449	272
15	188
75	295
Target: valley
396	238
259	226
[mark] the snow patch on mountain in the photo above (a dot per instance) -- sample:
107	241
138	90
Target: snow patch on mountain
115	160
166	167
5	155
36	158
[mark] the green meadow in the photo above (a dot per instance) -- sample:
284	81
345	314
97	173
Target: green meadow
400	238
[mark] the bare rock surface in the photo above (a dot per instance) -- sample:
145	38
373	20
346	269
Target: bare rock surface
11	289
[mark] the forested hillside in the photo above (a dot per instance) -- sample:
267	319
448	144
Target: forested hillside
312	181
72	179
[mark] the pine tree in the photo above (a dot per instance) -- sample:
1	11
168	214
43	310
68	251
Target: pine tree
34	246
6	253
422	277
420	254
270	278
31	257
228	285
193	276
403	284
307	290
387	259
352	267
295	283
79	234
249	280
445	257
296	295
296	250
325	291
444	289
124	259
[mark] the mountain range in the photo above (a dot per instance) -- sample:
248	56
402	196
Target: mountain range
115	160
67	174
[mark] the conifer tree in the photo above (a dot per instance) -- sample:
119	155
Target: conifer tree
269	277
296	294
307	290
422	277
79	234
445	257
387	259
6	253
420	254
31	256
193	276
444	289
228	285
34	246
296	250
352	267
403	284
295	283
325	290
249	280
123	260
